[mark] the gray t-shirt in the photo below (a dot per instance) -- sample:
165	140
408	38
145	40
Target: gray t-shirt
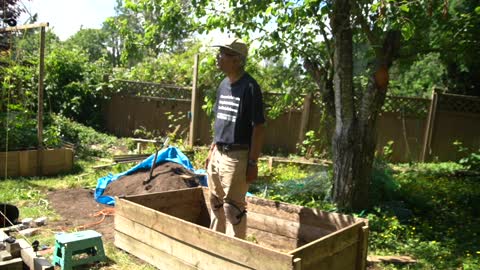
239	106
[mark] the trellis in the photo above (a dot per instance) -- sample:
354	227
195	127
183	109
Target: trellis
407	106
150	89
458	103
41	76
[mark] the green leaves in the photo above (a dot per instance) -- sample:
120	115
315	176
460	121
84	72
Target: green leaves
408	30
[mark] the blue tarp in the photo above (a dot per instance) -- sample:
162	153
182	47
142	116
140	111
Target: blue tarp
171	154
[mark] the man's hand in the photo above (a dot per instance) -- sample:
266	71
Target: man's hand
252	173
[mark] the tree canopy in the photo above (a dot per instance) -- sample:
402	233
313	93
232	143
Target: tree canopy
347	47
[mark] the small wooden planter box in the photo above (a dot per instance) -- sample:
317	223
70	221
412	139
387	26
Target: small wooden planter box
25	163
170	231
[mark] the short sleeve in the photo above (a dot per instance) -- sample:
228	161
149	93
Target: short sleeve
258	116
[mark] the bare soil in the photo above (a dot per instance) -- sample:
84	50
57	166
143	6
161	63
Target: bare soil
79	210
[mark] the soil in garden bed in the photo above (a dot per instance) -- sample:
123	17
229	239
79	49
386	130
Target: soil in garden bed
80	211
166	176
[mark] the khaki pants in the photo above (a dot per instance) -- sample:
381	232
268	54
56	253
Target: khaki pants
227	182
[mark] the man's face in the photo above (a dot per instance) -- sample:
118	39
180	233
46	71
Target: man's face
227	60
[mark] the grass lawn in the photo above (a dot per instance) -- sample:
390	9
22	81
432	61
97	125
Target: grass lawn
423	210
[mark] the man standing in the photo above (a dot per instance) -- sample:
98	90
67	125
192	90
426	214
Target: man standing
238	139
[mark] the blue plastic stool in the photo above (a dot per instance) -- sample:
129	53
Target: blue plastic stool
73	249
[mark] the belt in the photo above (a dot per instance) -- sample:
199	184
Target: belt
231	147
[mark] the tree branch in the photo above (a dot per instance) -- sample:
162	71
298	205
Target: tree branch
372	39
320	75
377	85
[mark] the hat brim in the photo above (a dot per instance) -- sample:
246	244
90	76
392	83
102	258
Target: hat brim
228	47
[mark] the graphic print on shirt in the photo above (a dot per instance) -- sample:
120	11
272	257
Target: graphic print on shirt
228	108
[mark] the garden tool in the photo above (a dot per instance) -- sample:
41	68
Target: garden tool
149	178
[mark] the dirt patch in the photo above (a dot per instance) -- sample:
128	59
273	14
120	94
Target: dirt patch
79	210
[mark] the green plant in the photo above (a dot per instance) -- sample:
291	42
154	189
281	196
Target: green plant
290	183
88	142
471	160
387	151
307	148
383	186
174	124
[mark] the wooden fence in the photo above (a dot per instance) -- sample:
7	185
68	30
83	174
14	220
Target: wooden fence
421	129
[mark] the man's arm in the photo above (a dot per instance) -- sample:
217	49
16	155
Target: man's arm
257	141
209	155
255	150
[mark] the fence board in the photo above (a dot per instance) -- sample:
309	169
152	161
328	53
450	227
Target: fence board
402	120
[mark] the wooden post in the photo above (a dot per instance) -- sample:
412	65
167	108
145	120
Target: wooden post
270	164
429	127
195	106
307	102
362	248
41	75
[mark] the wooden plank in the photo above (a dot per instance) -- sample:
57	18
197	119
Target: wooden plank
145	252
185	252
196	106
307	102
9	163
24	163
160	200
362	249
25	159
273	241
303	215
292	229
23	27
391	259
188	212
344	259
41	76
235	249
315	252
429	127
68	165
131	156
145	140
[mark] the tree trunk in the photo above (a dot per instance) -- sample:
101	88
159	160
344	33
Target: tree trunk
355	137
346	166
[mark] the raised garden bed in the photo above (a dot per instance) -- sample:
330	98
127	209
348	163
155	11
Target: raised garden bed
170	231
36	162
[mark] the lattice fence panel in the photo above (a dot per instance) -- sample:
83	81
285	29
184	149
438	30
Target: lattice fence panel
413	107
152	89
293	103
457	103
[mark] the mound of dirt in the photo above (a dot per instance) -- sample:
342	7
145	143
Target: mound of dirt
80	211
166	176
